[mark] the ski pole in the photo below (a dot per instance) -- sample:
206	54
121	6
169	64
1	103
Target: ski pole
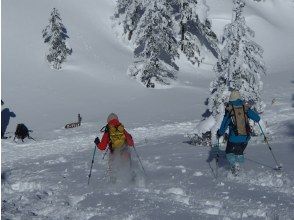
217	157
259	163
265	138
91	166
29	137
139	160
212	171
105	154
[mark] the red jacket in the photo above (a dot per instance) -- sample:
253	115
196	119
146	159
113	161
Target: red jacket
105	139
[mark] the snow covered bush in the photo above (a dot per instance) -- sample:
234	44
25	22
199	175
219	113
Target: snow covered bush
55	35
239	67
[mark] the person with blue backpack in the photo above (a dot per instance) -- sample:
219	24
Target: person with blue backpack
236	118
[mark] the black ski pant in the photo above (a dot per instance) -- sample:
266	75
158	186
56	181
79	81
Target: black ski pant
236	148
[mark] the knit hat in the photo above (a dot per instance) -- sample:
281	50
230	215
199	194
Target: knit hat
235	95
111	116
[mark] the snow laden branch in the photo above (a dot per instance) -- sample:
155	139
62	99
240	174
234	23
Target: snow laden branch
196	33
128	14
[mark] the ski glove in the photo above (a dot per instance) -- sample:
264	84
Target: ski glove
218	135
97	140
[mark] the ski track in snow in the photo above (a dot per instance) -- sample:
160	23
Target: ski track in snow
48	179
71	141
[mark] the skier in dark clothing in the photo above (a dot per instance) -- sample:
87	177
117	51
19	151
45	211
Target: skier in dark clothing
79	119
237	115
6	114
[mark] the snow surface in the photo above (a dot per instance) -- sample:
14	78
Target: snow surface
47	179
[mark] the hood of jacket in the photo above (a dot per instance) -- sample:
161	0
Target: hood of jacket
237	102
114	122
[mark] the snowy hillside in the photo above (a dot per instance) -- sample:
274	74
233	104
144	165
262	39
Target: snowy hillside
47	179
98	64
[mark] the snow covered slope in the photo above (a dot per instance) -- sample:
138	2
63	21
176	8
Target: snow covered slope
93	82
48	178
179	184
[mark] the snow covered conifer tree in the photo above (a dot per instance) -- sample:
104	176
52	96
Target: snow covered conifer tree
140	21
156	46
239	65
196	28
55	35
128	13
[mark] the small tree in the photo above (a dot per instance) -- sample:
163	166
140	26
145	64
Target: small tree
55	35
156	46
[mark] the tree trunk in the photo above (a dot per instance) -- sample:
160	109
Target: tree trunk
183	29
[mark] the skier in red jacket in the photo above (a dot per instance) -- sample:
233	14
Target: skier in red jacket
118	141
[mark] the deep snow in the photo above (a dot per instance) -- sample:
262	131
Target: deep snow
48	178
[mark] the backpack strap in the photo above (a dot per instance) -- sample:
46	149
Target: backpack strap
229	107
229	110
104	129
248	129
234	119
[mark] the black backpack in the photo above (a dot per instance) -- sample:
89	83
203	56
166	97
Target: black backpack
22	132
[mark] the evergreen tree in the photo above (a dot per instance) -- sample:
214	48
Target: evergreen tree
155	55
195	30
156	46
154	36
239	65
55	35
